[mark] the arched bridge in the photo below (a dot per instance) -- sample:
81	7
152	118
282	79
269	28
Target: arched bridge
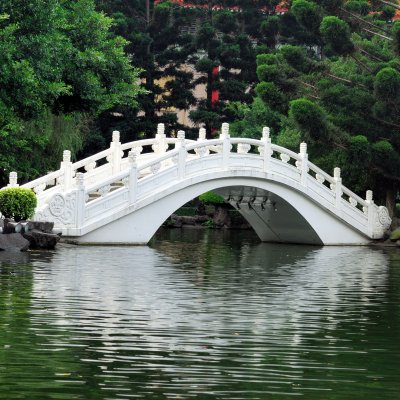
123	194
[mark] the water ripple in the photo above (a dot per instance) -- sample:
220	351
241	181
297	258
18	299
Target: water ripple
200	319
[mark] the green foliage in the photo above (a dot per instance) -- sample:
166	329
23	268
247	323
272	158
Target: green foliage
289	138
268	72
358	6
17	203
270	94
211	198
398	210
296	57
395	235
210	224
270	29
61	67
249	120
387	85
336	34
309	117
307	14
396	37
268	59
387	12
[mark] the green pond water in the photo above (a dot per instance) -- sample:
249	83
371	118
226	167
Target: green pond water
200	314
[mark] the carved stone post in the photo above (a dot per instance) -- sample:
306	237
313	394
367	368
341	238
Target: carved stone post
116	153
267	150
338	188
226	145
370	211
66	167
202	134
181	154
80	200
304	164
13	180
161	144
133	177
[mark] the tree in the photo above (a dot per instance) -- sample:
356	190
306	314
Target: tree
61	68
338	89
160	45
227	56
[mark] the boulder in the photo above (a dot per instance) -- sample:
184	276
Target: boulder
13	242
46	227
41	240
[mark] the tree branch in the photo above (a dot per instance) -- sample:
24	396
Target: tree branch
389	3
358	18
377	34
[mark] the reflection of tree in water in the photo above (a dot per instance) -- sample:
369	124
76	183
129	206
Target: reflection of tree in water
161	321
34	363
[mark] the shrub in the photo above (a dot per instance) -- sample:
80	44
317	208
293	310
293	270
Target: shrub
17	203
211	198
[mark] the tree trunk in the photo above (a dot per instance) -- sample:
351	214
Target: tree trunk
391	194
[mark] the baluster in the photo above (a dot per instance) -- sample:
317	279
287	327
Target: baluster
370	211
133	177
338	187
202	151
13	180
81	199
116	152
181	155
202	134
66	167
304	164
160	146
266	150
226	145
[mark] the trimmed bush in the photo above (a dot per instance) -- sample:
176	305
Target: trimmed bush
17	203
211	198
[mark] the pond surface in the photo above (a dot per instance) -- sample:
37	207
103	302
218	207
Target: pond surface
200	315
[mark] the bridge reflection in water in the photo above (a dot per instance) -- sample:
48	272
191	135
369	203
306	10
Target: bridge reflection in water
203	315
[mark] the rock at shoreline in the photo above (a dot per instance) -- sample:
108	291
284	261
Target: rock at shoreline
13	242
27	234
41	240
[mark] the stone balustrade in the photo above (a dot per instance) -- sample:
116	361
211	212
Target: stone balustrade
124	174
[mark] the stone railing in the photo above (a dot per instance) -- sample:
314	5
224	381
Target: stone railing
127	173
96	167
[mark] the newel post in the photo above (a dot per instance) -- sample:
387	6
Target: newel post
226	145
13	180
160	146
370	211
116	152
202	134
267	151
304	164
181	154
66	167
133	177
338	187
81	199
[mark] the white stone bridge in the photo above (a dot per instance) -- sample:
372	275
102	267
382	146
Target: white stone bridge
123	194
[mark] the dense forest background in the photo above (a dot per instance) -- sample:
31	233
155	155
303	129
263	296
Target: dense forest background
322	71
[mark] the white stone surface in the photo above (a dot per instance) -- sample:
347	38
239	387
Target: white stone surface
108	198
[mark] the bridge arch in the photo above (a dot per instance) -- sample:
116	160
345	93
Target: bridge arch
288	216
